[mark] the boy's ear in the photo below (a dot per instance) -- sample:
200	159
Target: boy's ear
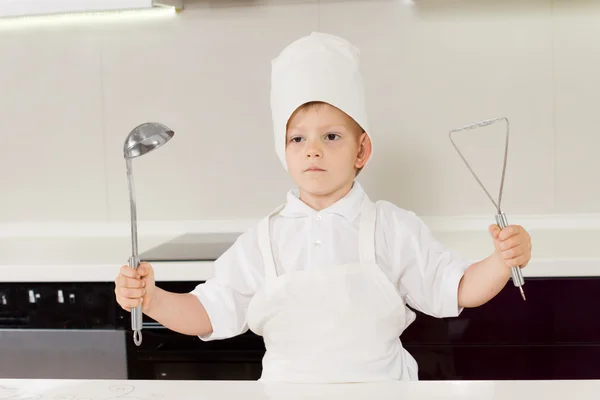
364	150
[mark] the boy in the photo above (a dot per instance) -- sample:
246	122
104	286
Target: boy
326	277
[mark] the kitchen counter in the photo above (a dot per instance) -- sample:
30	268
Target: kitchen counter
167	271
178	255
252	390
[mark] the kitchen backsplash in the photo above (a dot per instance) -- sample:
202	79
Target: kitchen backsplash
70	94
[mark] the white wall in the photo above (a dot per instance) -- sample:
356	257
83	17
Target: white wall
70	94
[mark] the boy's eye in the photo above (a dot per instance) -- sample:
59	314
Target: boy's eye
296	139
332	136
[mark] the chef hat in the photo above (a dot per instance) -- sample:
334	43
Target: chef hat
319	67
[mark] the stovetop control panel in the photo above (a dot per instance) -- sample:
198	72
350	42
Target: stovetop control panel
51	305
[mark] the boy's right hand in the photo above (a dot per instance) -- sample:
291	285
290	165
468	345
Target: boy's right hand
135	287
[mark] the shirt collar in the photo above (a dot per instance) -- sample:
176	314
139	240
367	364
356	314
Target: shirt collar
348	206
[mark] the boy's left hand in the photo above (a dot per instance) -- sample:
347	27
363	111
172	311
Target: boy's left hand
513	243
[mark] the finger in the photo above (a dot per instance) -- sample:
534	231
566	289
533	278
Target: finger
131	293
513	253
128	304
144	269
509	231
508	244
125	282
132	283
126	270
517	262
494	230
522	262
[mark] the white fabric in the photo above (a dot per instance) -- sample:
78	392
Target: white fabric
317	67
424	271
331	324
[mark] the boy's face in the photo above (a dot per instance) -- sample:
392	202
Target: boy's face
324	149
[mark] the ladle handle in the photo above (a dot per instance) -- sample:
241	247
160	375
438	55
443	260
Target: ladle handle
136	313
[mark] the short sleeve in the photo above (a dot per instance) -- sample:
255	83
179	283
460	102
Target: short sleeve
429	272
239	272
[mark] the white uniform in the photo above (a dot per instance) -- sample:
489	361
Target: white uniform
328	290
339	312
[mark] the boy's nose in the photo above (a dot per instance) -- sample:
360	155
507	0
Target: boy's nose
313	148
313	152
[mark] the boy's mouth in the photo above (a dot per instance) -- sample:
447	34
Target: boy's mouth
314	169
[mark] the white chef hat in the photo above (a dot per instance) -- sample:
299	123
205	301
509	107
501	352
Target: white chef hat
318	67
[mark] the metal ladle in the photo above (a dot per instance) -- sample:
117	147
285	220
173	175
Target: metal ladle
141	140
501	220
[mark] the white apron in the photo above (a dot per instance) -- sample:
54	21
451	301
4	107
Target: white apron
331	323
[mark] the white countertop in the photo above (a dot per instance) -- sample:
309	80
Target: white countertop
202	270
56	254
252	390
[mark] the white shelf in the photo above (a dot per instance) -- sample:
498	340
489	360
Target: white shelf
94	252
202	270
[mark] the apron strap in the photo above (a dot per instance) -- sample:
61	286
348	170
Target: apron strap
366	234
264	243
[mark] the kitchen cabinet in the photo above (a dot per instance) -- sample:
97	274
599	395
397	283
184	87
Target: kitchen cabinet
555	334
